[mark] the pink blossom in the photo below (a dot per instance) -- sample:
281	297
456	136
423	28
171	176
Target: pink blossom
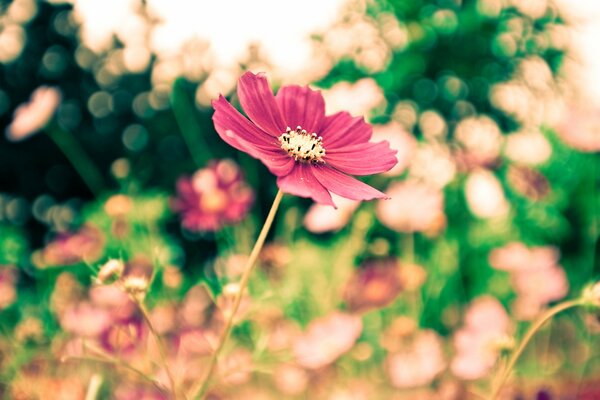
212	197
418	363
310	153
30	117
580	128
84	319
321	218
326	339
376	284
85	245
535	274
357	98
485	196
414	207
486	324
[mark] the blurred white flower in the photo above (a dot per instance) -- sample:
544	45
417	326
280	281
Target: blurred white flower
485	196
33	116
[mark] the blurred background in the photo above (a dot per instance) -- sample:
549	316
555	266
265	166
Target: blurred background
108	151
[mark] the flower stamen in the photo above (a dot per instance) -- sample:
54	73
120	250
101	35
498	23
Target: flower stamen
303	146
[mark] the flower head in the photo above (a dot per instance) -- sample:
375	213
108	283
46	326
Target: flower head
326	339
479	341
310	153
213	196
375	285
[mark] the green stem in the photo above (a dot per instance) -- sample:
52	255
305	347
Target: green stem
505	372
201	391
78	158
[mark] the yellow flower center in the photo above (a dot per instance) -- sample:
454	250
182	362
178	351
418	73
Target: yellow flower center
303	146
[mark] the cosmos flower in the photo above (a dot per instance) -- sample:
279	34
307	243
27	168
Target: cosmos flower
376	284
414	207
326	339
418	362
477	343
70	248
320	218
536	276
310	153
212	197
32	116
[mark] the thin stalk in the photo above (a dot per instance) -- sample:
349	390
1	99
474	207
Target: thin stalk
93	387
78	158
161	349
201	391
114	361
505	372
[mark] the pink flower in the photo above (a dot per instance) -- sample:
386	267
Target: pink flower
321	218
32	116
414	207
326	339
86	320
213	196
418	363
535	274
310	153
477	343
375	285
69	248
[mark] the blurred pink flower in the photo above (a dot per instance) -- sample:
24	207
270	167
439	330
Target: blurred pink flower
212	197
326	339
123	337
400	140
528	147
485	196
85	245
376	284
291	380
418	363
480	138
84	319
477	342
8	291
535	274
30	117
310	153
515	257
580	128
414	207
113	299
321	218
528	182
357	98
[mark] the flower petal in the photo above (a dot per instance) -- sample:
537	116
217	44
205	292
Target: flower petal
259	103
227	118
242	134
362	159
301	106
301	182
342	129
344	185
